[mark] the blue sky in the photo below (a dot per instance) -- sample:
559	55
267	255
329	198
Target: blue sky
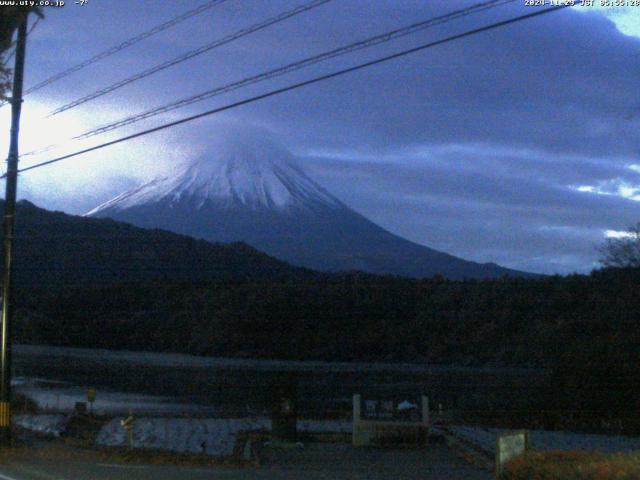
518	146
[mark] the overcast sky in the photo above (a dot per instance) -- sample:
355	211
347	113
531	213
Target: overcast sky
518	146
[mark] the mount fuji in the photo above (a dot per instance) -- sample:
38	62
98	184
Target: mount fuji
255	193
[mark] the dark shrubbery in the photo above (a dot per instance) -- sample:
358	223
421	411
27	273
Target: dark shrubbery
577	465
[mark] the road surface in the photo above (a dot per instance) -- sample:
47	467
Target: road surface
313	462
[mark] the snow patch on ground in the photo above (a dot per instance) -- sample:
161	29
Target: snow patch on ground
485	438
56	396
47	424
325	426
213	436
183	435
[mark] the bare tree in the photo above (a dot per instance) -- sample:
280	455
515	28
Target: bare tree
623	251
10	18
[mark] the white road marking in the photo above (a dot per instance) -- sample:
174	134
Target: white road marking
117	465
6	477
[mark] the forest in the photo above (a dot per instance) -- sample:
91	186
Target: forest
349	316
582	328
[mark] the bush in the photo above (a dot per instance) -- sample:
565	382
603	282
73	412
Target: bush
574	465
21	404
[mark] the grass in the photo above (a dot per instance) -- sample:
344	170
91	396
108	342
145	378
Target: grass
573	465
20	404
61	451
162	457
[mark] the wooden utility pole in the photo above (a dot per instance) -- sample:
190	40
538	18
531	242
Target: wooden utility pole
9	214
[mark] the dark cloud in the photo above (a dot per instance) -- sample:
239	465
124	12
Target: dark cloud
476	207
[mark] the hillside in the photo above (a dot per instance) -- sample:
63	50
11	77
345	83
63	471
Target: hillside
54	249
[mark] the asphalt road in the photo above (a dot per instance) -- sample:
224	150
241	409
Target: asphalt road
313	462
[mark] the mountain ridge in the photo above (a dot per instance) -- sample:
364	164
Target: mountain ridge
258	195
55	248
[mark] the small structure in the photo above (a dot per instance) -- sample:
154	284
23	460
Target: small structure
80	408
377	421
91	397
510	445
284	408
128	424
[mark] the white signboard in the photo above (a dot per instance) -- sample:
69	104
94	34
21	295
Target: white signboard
510	445
379	419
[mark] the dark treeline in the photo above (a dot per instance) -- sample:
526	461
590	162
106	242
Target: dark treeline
528	322
585	328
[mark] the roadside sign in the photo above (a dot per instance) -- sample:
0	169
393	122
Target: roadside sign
399	409
128	425
390	419
510	445
91	395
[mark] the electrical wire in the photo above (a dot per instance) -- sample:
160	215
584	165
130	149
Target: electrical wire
6	61
299	85
277	72
127	43
385	37
193	53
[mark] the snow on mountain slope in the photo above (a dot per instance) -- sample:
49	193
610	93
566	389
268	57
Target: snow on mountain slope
241	175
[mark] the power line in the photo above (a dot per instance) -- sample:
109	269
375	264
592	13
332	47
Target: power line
193	53
40	150
35	24
298	85
369	42
6	61
127	43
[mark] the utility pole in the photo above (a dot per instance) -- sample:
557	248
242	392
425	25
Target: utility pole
9	214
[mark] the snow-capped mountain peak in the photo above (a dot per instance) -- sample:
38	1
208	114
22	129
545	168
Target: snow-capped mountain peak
238	176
